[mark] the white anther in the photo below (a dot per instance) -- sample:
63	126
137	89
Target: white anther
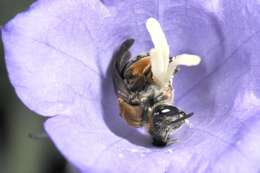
187	60
183	59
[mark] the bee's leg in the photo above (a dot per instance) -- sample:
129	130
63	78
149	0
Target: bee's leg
164	95
188	123
160	97
131	97
172	141
168	138
176	70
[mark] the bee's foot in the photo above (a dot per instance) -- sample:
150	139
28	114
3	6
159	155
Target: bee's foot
172	141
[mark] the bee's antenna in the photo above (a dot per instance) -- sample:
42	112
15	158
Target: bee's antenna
186	116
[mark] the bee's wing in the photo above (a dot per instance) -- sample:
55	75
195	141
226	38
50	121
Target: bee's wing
121	57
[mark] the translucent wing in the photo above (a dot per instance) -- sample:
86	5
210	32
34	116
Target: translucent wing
121	57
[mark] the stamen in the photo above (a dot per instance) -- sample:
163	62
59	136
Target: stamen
161	68
183	59
187	60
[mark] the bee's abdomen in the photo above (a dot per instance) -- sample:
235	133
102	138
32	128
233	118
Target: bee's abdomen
132	114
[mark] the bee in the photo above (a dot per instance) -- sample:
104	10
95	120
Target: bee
144	86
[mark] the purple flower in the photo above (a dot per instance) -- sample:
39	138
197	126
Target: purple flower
58	55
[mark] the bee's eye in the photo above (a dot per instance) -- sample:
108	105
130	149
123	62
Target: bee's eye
166	110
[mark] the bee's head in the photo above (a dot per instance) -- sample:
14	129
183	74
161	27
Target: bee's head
165	119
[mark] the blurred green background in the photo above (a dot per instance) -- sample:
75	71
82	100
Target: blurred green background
18	152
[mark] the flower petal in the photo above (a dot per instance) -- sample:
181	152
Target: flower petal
223	91
50	56
94	149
